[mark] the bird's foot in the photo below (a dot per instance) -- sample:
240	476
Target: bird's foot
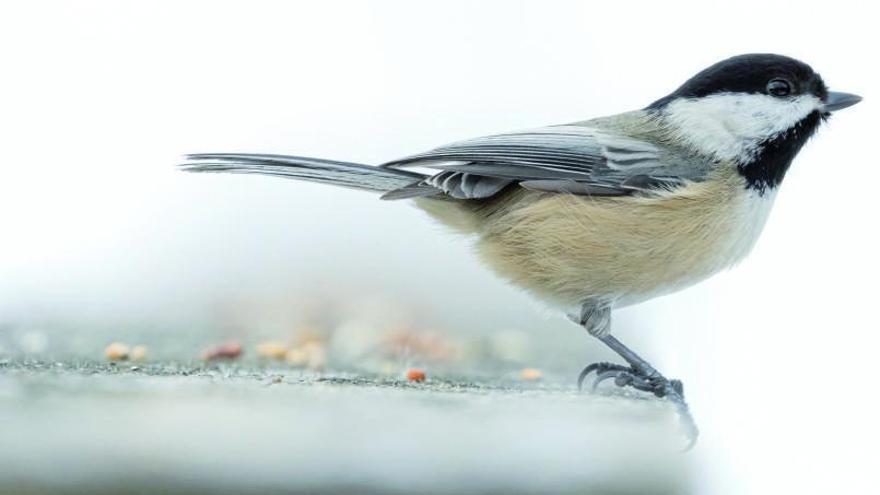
653	382
627	376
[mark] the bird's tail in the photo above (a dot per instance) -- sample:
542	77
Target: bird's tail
345	174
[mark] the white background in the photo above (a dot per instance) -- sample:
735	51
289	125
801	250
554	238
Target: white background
99	99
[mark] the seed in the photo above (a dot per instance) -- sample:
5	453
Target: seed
229	350
138	353
272	350
530	374
415	375
117	351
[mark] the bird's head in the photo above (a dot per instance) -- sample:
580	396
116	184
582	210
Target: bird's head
755	111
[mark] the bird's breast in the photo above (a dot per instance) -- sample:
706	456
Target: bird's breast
567	249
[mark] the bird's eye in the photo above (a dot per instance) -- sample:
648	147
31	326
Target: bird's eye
779	87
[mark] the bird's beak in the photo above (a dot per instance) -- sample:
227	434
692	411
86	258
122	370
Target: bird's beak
838	101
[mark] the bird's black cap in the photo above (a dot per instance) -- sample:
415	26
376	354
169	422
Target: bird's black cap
749	73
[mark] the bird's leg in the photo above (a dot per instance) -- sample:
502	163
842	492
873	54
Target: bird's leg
640	375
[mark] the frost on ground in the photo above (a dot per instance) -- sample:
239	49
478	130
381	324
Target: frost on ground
88	427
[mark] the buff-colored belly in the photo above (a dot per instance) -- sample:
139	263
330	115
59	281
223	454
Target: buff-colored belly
568	249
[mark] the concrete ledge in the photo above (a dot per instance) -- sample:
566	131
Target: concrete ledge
175	428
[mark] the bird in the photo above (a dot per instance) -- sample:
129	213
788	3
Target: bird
599	214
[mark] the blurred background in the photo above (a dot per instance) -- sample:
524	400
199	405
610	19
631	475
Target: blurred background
103	240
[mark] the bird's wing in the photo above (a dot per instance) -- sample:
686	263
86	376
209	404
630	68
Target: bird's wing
576	159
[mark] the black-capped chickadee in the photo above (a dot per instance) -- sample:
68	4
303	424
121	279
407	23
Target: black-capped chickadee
608	212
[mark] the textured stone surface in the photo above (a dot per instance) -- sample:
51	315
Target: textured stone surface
93	427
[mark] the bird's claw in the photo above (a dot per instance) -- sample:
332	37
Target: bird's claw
600	369
660	386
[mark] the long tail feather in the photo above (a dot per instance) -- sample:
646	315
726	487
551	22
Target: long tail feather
345	174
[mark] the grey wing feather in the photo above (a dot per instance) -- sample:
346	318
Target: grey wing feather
466	185
576	159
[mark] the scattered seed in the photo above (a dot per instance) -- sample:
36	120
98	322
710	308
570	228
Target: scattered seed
530	374
117	351
229	350
139	353
297	357
312	355
272	350
415	375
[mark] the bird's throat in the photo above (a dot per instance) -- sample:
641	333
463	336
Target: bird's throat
768	165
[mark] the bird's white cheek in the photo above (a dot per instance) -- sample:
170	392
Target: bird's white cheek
731	126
